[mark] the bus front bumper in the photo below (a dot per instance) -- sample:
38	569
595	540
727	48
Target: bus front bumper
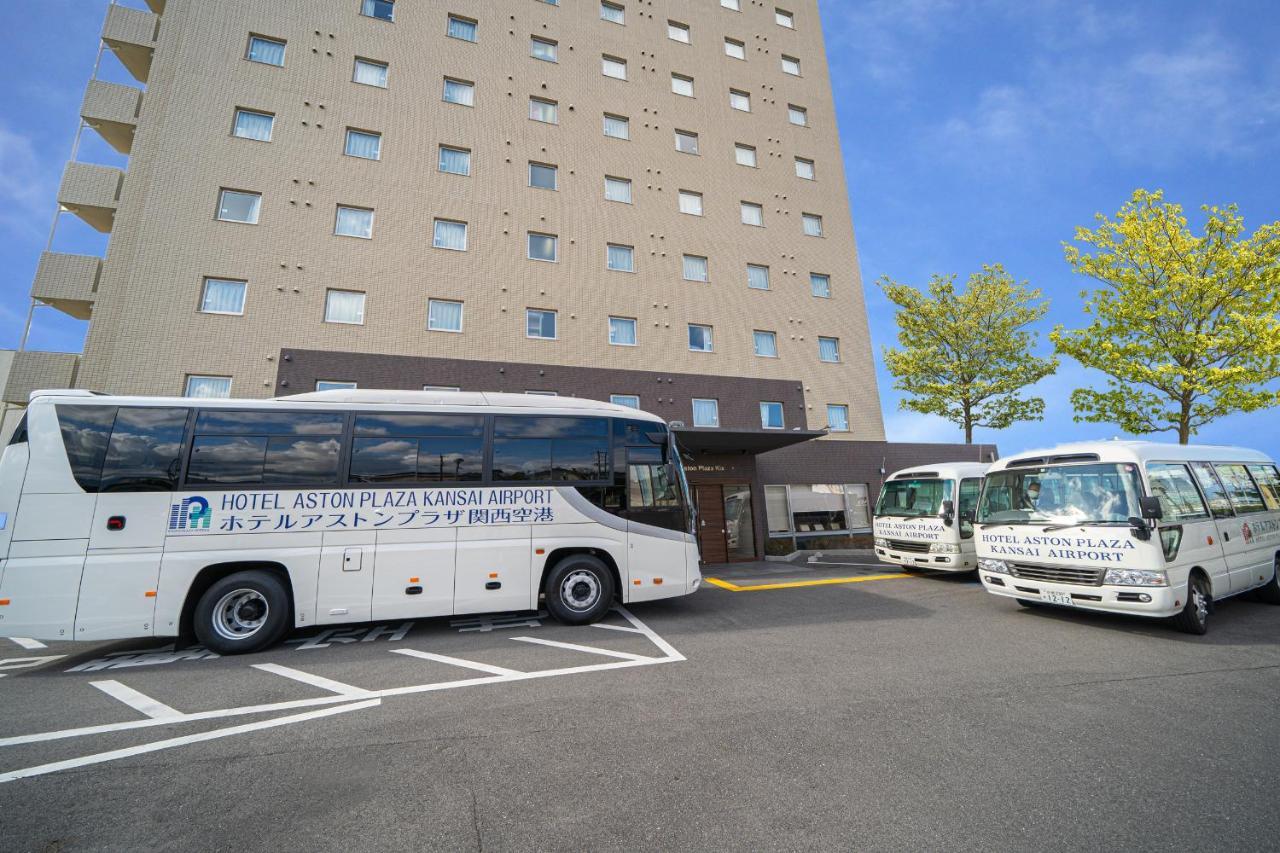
1153	601
938	562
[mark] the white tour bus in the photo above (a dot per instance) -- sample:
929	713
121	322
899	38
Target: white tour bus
236	520
1132	527
923	517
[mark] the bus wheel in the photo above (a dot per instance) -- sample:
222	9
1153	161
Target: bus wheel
1026	602
243	612
1194	618
1271	592
579	590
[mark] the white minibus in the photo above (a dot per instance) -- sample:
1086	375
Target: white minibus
1150	529
237	520
923	517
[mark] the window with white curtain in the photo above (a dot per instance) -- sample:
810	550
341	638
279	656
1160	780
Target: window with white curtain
354	222
613	12
459	92
222	296
370	73
812	224
838	417
784	18
740	100
735	5
334	385
444	315
771	416
804	169
757	277
618	127
542	247
686	142
382	9
236	206
797	115
621	258
253	125
450	235
455	161
677	31
735	49
820	285
766	344
622	331
612	66
745	155
752	213
543	110
695	268
631	401
540	324
265	50
208	387
682	85
344	306
829	349
706	413
791	65
617	189
691	202
364	144
700	338
461	28
544	49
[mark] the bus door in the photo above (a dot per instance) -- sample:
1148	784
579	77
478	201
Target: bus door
1224	521
345	589
655	525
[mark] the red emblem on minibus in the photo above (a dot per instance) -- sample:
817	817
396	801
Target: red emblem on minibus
1247	531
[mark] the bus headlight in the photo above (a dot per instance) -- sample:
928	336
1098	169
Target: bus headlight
999	567
944	548
1135	577
882	543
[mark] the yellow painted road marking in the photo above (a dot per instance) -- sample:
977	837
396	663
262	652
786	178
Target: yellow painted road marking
733	587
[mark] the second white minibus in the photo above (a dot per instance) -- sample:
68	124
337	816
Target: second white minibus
923	517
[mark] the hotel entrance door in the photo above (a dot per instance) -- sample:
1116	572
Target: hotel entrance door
725	530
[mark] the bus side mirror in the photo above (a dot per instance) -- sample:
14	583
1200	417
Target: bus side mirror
1151	507
948	512
969	516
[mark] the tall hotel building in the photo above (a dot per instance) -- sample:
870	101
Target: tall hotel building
636	200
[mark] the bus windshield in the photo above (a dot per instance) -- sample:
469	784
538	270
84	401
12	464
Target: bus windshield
914	498
1103	493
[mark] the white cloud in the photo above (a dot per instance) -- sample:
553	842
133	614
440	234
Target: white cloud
27	187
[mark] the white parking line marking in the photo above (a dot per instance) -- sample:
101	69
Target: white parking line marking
617	628
114	754
140	702
28	643
577	648
314	680
10	664
468	664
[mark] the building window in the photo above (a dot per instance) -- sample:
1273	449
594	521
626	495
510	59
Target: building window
364	144
766	344
757	277
459	92
735	5
449	234
540	324
739	100
821	510
690	202
735	49
334	385
383	10
621	258
544	49
612	66
695	268
706	413
682	85
791	65
542	393
744	155
542	247
354	222
613	12
265	50
235	206
618	127
829	349
677	31
370	73
344	306
221	296
208	387
543	110
455	161
771	416
804	169
784	18
820	285
543	176
444	315
550	2
617	189
441	387
700	338
752	213
253	125
461	28
631	401
837	417
622	331
812	224
686	142
798	116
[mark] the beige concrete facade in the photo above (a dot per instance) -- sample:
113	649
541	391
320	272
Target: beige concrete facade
147	333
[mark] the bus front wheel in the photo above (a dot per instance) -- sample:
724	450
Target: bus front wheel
243	612
579	590
1194	618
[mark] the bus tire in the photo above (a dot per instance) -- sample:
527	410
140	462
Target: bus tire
1194	618
1026	602
1270	593
579	590
243	612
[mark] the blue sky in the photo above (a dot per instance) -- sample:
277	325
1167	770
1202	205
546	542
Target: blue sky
974	131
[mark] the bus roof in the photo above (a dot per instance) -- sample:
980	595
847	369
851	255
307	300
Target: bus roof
1138	452
941	470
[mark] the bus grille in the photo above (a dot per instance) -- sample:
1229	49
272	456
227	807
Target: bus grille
913	547
1058	574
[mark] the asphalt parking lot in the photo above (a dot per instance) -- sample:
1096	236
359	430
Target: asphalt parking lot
871	711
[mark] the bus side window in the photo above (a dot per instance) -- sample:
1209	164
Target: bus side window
968	502
649	482
417	448
1244	495
20	432
1177	493
145	452
554	448
1268	480
280	448
86	431
1219	503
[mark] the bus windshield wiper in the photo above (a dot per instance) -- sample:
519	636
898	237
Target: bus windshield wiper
1053	527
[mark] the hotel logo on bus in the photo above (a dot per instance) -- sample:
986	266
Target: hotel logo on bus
191	513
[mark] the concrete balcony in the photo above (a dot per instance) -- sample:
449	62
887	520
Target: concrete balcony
91	192
131	35
157	6
112	110
32	371
68	283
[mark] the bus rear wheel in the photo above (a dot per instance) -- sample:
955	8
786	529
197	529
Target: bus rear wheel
579	590
243	612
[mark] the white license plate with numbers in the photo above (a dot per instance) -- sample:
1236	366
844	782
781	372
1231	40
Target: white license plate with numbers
1050	596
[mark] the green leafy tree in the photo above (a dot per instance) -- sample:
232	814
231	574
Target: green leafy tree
1184	326
965	356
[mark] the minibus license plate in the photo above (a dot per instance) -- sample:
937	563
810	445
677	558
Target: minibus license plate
1055	597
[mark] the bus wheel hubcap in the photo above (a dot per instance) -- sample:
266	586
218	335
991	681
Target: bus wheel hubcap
240	613
580	590
1201	604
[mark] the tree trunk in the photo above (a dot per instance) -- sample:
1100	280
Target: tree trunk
1184	420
